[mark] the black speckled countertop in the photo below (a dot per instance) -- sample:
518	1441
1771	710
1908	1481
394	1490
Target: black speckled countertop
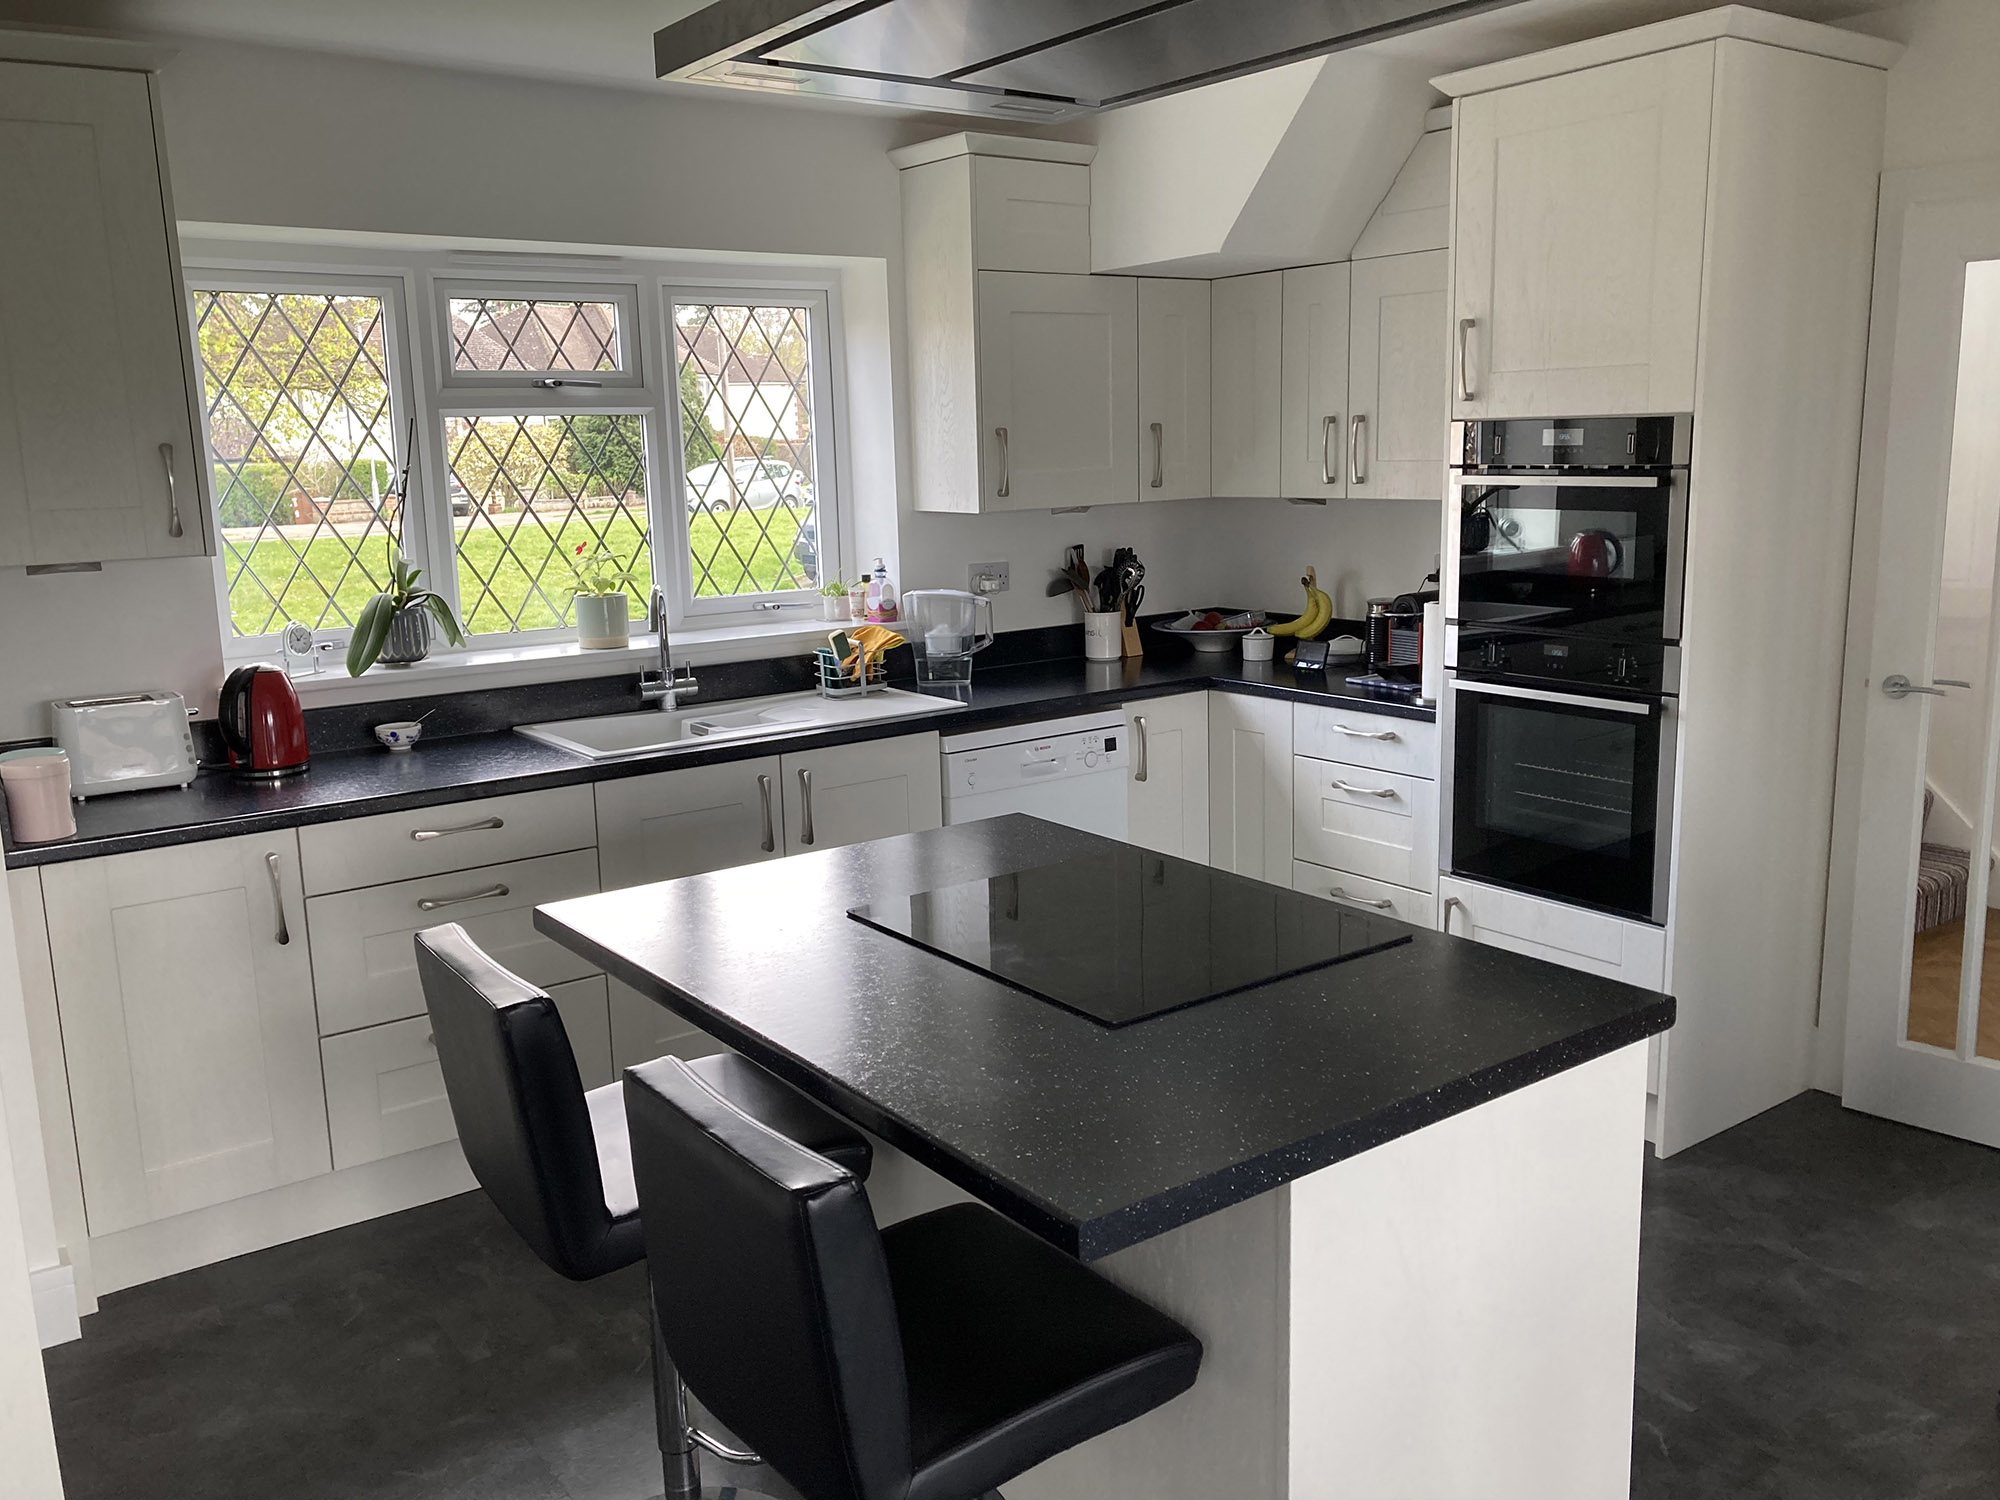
349	783
1095	1139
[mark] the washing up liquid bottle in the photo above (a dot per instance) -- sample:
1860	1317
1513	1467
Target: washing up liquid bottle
881	596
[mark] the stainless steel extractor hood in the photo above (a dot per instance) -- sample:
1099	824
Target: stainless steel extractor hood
1021	59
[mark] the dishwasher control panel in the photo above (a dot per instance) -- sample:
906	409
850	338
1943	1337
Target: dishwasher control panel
996	768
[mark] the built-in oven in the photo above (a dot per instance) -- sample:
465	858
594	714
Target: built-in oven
1560	793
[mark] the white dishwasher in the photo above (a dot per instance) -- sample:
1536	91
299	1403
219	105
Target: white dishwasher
1069	771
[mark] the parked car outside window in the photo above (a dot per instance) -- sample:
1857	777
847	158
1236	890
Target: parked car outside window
760	484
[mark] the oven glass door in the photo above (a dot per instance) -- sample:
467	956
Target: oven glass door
1562	795
1593	552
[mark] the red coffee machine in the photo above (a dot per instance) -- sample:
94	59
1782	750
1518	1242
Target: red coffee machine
262	723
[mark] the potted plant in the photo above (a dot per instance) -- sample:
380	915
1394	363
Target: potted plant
603	608
395	625
833	598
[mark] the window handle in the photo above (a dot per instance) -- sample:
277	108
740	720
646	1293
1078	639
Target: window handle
284	933
1006	479
1159	455
1326	427
805	806
1357	469
557	382
1364	791
173	491
1340	894
770	841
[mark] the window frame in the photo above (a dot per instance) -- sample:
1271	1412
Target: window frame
823	407
624	294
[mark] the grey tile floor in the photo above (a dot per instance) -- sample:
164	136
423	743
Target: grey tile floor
1819	1319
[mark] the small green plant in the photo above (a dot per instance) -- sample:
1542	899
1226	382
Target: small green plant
598	571
371	631
835	587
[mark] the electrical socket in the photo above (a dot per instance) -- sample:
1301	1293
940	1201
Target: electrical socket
988	577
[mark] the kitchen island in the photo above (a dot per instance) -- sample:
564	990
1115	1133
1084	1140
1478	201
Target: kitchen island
1396	1196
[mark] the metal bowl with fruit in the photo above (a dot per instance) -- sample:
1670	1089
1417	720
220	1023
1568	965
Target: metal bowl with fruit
1212	630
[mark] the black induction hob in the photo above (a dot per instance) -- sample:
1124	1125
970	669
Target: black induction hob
1121	936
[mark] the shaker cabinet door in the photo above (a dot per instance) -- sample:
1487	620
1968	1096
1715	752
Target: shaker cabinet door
1577	240
98	454
1246	323
1173	390
1314	404
1398	403
1166	775
186	998
851	793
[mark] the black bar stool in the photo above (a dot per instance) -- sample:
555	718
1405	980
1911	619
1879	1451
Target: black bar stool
932	1360
555	1160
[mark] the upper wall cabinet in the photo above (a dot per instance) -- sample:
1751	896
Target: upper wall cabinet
1174	328
1248	321
1314	400
99	459
1396	424
1577	237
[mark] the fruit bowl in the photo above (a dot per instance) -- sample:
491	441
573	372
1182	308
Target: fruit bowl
1212	630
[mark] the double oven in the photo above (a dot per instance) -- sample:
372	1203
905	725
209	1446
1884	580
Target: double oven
1563	590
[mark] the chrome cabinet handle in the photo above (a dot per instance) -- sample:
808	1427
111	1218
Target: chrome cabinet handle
1326	427
1139	761
1465	326
1339	894
1357	471
173	491
425	835
284	933
770	840
805	806
1896	685
1364	791
1366	734
432	903
1006	478
1449	903
1159	455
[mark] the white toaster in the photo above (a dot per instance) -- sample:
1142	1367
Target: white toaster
126	742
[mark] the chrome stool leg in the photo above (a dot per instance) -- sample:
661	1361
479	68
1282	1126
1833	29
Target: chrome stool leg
680	1464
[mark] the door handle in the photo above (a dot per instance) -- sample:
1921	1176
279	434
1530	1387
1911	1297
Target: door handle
432	903
1139	759
425	835
1449	903
1896	685
805	806
1357	471
770	841
1159	456
1364	791
1339	894
1465	327
173	491
1326	427
284	933
1006	480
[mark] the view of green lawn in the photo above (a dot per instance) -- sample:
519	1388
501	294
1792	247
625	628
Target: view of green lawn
770	566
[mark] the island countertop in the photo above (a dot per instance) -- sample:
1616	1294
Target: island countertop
1094	1138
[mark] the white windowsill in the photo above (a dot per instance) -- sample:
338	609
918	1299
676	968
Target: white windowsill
548	661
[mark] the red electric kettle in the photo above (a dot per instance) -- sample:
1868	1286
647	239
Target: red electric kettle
1594	554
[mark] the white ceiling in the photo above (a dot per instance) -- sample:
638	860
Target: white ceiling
610	41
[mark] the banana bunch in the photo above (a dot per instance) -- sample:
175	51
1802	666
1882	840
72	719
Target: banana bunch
1318	611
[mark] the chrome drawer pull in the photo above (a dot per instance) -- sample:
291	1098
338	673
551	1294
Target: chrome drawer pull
1449	903
1340	895
1366	734
1465	327
1139	766
284	933
770	841
173	491
1326	474
805	806
432	903
1364	791
1357	470
425	835
1006	479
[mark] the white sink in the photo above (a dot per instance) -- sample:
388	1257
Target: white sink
644	732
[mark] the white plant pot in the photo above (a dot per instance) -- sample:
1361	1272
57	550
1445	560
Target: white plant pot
603	621
834	607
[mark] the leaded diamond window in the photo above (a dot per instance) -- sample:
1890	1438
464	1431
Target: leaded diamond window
531	334
526	493
748	449
302	435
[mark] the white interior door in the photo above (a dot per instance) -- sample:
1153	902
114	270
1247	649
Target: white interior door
1923	974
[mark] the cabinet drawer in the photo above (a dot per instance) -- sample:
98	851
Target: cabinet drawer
455	836
1418	908
1635	952
1367	822
364	962
1405	746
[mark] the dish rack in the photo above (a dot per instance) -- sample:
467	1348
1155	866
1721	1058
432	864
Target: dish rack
836	681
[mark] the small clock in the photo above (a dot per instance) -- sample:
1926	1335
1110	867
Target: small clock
298	641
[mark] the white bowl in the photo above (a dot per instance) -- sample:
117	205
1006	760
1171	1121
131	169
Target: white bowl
399	737
1240	623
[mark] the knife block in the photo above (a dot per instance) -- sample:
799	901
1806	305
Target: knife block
1129	641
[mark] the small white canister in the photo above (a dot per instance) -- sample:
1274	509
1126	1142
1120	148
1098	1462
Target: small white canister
1103	635
37	783
1258	645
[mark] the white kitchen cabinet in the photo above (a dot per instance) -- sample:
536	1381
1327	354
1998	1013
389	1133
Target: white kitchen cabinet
1174	331
456	836
185	992
1246	322
363	941
1250	786
1577	230
1418	908
1397	395
1313	397
676	823
99	458
849	793
1572	936
1058	390
1029	215
1356	737
1374	823
1166	775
